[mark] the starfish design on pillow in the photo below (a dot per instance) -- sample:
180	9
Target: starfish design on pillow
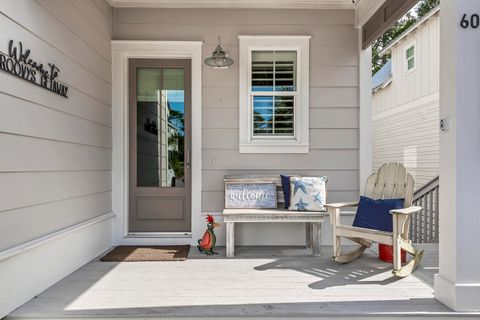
298	184
301	206
317	198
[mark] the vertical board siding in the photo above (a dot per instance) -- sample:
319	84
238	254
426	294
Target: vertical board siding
406	113
55	169
334	103
423	80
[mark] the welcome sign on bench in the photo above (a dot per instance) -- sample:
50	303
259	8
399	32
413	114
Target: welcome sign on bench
250	195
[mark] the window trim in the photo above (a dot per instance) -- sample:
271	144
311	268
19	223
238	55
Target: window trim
405	60
299	143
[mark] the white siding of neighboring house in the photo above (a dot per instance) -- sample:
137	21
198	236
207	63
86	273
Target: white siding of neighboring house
55	159
405	114
334	104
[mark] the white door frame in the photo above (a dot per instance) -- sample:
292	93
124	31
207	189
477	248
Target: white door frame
122	51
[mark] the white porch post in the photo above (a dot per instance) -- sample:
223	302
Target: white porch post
365	114
458	283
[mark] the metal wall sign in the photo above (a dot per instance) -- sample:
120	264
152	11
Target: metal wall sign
250	195
17	62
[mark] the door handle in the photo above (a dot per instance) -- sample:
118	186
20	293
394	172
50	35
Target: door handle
188	156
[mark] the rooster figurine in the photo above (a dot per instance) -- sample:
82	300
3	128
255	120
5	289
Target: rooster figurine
207	243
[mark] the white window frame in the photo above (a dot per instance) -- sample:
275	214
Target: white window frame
405	60
299	142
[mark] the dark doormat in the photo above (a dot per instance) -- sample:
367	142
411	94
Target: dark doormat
147	253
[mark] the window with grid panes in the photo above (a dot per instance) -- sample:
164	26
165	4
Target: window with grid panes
410	57
272	93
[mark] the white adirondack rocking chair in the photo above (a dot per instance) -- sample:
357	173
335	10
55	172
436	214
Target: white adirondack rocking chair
390	182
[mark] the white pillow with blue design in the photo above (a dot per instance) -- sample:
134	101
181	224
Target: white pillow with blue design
307	193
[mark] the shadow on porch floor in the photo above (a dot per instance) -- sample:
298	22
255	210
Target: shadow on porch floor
259	282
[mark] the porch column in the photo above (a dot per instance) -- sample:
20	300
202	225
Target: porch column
458	283
365	113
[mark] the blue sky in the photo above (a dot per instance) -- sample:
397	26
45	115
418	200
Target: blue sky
176	99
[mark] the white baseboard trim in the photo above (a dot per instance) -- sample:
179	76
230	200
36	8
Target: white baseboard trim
29	269
5	254
460	297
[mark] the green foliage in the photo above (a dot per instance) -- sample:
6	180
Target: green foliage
425	6
177	167
397	29
177	119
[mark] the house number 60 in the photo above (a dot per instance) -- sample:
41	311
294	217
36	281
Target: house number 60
472	22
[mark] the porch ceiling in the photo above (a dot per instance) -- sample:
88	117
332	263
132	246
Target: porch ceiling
237	4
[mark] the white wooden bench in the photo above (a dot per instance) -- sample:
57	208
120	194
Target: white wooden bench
313	220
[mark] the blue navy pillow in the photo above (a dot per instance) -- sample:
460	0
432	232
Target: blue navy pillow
286	189
375	214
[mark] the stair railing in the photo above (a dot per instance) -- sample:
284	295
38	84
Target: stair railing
424	226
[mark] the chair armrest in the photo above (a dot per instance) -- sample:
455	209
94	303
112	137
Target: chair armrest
334	211
407	211
341	204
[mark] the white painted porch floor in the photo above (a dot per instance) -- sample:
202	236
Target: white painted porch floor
259	282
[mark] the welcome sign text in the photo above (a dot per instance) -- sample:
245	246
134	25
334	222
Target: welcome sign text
250	195
17	61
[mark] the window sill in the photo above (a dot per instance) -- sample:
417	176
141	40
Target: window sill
274	148
407	72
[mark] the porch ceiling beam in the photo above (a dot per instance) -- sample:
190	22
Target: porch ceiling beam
235	4
384	18
365	10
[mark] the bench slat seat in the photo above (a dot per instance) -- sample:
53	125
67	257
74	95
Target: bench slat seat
278	211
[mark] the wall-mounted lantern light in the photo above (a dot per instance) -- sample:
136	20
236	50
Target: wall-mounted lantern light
219	58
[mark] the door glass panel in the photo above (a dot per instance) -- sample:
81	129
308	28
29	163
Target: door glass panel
160	127
173	97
